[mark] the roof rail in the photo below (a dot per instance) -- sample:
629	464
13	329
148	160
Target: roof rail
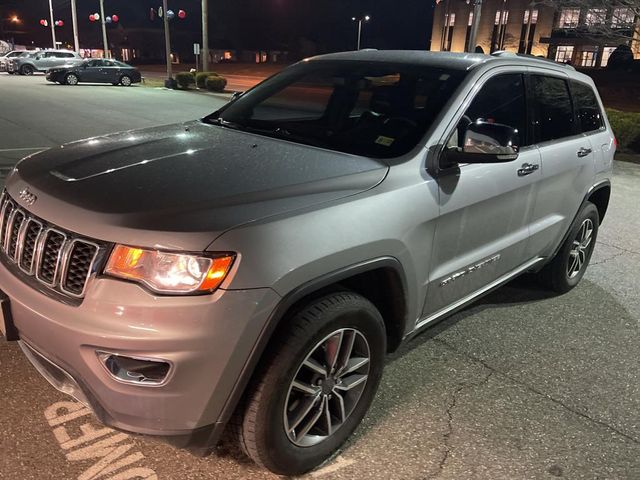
504	53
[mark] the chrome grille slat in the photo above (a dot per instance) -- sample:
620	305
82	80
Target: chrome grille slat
57	259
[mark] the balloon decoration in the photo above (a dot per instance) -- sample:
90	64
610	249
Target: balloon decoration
95	17
182	14
59	23
44	23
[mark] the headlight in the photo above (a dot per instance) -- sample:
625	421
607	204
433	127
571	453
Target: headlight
169	272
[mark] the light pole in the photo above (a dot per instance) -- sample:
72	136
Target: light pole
169	82
53	27
74	22
104	30
205	36
360	20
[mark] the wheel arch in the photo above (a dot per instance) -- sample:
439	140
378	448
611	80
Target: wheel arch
369	279
600	196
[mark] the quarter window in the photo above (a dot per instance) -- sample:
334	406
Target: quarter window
587	108
553	112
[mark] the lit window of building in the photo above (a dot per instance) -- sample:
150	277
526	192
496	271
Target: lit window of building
595	16
534	16
569	18
622	17
589	56
564	53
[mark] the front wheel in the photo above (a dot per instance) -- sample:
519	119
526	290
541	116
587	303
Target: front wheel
125	81
569	265
71	79
27	70
316	385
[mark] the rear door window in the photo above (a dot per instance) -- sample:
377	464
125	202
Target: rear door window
588	110
553	110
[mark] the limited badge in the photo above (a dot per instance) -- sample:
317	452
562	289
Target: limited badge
386	141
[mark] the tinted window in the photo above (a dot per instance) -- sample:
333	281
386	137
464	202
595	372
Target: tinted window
66	55
587	107
552	108
501	100
367	108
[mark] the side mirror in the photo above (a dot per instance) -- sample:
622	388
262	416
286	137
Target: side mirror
486	142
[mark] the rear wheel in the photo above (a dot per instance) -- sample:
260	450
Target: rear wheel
71	79
125	81
316	386
569	265
27	70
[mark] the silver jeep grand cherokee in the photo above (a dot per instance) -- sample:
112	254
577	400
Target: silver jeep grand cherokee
252	268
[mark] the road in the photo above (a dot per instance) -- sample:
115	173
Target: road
522	385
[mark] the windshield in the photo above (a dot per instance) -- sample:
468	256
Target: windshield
373	109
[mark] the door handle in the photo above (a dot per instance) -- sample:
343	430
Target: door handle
527	169
584	152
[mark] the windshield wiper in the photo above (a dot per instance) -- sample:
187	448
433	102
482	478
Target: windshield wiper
276	132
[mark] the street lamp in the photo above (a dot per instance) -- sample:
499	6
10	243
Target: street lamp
366	18
14	19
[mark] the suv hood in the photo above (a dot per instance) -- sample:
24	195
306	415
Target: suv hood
180	186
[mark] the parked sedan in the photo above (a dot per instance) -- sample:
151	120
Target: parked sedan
95	71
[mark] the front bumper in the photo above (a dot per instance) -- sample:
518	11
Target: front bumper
54	76
207	339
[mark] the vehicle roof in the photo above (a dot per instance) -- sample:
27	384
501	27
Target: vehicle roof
448	60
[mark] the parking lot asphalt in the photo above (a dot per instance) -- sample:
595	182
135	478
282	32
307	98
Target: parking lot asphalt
521	385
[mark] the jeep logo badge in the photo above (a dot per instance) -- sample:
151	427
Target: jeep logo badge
27	197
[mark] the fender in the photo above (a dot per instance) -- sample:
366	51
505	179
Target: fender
592	190
269	328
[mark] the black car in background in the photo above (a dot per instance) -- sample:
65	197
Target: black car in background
96	70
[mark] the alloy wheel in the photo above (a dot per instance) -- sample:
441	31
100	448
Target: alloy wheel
126	81
72	80
580	249
327	387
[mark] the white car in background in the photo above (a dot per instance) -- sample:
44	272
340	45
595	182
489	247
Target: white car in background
6	57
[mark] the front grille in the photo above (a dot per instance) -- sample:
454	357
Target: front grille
57	259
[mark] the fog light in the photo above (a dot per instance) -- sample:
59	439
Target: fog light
135	370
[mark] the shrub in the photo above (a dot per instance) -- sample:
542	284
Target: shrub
216	83
626	127
185	79
201	78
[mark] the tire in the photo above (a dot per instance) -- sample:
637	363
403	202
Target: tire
27	70
569	265
274	405
125	81
71	79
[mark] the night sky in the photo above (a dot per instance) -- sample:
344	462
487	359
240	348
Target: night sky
244	24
